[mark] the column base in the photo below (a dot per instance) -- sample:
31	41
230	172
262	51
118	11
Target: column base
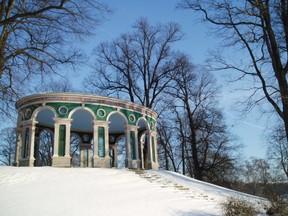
102	162
153	165
133	164
27	162
61	161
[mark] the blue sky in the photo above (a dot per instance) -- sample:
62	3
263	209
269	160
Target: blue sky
196	43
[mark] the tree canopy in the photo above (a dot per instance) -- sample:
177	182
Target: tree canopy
33	35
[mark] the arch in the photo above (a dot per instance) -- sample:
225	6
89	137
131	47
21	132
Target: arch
117	112
141	122
44	148
117	127
82	108
42	108
82	125
82	119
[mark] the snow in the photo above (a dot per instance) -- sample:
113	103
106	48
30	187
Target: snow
50	191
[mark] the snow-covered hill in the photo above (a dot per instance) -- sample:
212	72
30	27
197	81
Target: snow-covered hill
47	191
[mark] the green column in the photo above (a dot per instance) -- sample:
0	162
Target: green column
101	142
62	140
132	145
153	150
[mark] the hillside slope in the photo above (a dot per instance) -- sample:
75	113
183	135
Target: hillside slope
67	192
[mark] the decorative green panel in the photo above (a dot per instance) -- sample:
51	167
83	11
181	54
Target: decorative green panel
27	111
151	122
153	150
61	140
101	142
132	145
100	111
60	108
131	116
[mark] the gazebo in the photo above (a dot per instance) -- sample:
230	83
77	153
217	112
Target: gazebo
84	130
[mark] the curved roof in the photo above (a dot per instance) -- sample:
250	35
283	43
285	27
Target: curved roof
83	98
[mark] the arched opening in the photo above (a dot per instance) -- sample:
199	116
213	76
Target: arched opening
44	137
121	151
75	142
117	140
81	147
143	142
44	149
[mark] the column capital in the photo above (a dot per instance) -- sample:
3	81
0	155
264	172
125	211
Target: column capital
62	120
131	127
101	123
29	123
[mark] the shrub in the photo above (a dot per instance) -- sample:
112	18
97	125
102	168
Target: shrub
278	208
235	206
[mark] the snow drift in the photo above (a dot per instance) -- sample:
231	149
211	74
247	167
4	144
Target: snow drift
95	192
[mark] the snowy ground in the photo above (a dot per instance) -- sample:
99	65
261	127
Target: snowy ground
48	191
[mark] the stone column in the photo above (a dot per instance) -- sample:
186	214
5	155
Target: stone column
103	162
67	139
149	162
153	151
136	163
56	138
31	142
82	158
18	145
128	149
95	143
61	161
132	163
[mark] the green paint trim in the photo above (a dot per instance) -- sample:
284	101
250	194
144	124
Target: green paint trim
96	108
70	107
128	114
62	140
132	145
151	122
101	142
29	110
153	150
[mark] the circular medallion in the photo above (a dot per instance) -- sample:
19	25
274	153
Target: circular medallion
63	110
85	137
101	113
132	118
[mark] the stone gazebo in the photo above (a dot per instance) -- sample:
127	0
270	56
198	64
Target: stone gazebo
70	129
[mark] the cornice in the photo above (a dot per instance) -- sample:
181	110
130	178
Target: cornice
67	97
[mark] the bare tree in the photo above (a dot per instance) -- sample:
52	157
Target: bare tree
7	146
278	148
168	146
208	146
59	85
33	35
139	65
256	173
257	30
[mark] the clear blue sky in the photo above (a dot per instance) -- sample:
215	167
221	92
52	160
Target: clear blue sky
196	43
